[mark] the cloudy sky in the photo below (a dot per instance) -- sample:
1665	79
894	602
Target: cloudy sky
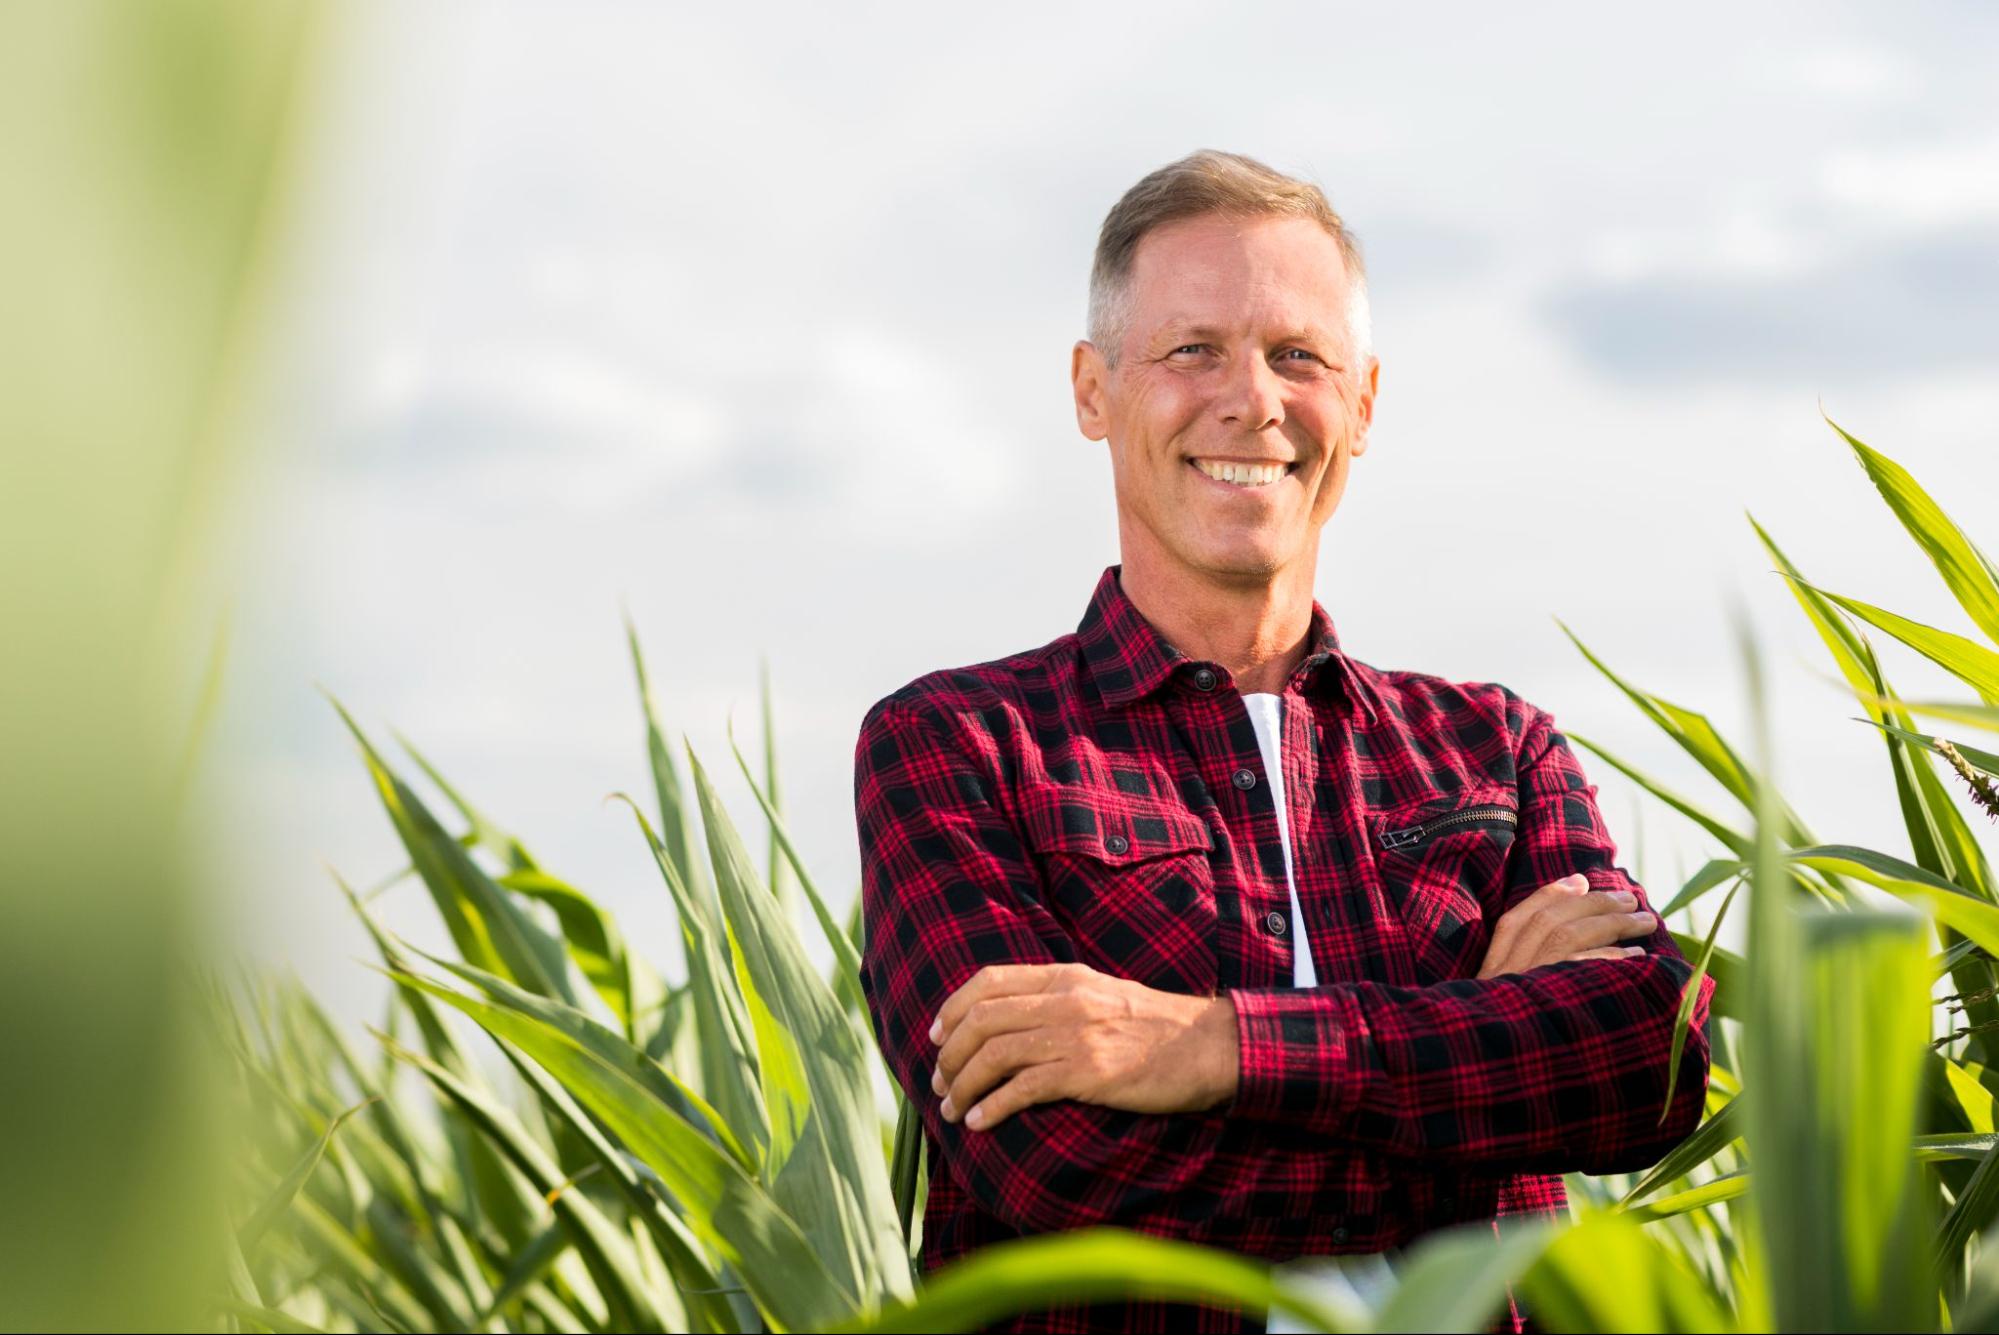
757	321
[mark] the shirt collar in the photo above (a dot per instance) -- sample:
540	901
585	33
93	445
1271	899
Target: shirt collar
1128	660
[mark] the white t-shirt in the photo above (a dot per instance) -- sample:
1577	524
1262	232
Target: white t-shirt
1365	1279
1266	712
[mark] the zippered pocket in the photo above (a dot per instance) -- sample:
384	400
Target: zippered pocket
1416	834
1442	873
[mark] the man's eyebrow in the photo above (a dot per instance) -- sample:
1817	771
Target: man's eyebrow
1175	332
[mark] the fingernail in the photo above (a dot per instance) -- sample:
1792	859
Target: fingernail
937	1030
976	1118
1624	896
950	1113
1580	881
937	1085
1634	950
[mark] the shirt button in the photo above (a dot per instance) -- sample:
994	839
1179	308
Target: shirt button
1275	922
1204	679
1244	779
1117	843
1340	1234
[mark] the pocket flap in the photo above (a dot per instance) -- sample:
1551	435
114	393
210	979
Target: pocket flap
1113	827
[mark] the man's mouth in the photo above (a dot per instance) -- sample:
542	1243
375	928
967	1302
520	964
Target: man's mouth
1243	473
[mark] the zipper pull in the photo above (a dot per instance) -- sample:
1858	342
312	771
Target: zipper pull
1401	838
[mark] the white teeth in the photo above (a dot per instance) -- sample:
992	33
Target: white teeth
1241	475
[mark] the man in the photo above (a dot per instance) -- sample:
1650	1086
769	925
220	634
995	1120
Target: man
1189	922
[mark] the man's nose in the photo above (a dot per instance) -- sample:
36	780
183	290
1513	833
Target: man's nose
1253	398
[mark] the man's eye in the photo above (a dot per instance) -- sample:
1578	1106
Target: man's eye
1301	351
1190	347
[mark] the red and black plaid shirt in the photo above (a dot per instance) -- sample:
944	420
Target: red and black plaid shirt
1103	799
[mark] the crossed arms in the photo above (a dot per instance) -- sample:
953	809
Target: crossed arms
1126	1094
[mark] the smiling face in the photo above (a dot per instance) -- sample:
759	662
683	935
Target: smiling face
1238	402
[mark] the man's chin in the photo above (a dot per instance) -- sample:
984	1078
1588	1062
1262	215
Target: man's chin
1239	563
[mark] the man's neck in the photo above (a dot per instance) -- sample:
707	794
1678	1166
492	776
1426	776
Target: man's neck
1256	630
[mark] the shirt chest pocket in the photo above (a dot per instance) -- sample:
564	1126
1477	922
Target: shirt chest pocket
1130	878
1443	864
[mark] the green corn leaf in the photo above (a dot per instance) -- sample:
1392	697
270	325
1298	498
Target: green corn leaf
845	956
605	1251
484	833
281	1197
438	1042
624	980
769	795
527	1267
1967	660
724	1040
676	815
905	1164
1943	844
679	1250
1974	1100
1837	1190
267	1317
428	1277
1985	760
1985	717
1096	1265
1698	738
1964	913
1714	1191
1689	996
1729	971
1710	1138
1607	1273
1974	1210
336	1249
1964	569
611	1048
1457	1279
834	1179
725	1206
1955	1145
1927	826
1712	873
488	927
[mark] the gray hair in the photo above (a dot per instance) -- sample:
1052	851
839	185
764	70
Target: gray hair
1211	182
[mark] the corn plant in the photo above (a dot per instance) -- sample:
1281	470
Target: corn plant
706	1153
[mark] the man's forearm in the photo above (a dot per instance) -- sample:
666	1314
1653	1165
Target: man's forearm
1559	1069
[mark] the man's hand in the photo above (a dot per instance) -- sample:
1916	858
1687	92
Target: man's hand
1565	920
1019	1034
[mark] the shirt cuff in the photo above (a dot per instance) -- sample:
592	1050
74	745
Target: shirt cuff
1299	1056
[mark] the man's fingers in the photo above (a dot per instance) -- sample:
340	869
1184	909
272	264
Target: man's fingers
1607	953
996	1060
1546	914
1042	1083
1602	929
981	1022
995	980
1514	919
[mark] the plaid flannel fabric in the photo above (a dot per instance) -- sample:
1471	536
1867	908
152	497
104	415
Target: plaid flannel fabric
1102	799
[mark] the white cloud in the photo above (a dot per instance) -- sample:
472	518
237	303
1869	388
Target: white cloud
1921	185
1863	74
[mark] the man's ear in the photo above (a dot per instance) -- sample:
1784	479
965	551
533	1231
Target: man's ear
1089	378
1364	410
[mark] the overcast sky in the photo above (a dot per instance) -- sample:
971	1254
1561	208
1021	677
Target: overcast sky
757	321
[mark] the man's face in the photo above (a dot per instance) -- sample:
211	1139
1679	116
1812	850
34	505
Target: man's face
1237	354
